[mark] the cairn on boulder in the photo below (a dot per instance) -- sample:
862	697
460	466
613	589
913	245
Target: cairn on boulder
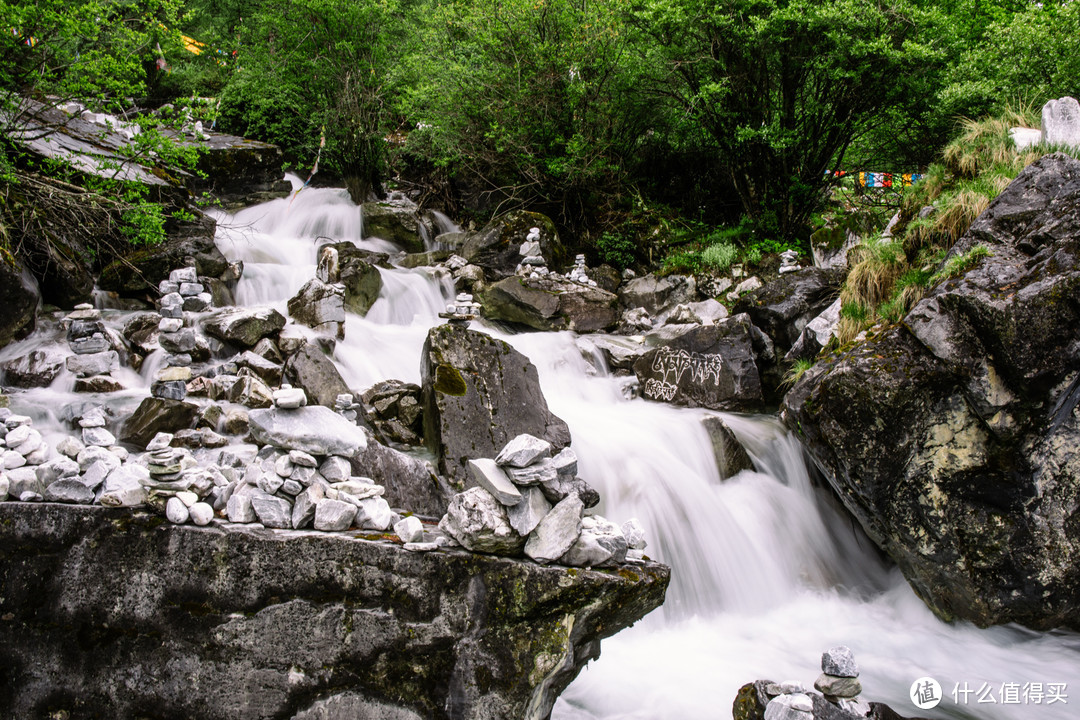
95	358
526	501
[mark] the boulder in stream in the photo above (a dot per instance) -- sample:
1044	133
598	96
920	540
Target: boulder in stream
952	437
478	394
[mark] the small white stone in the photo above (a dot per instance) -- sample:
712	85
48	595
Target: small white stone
410	529
201	513
176	511
188	498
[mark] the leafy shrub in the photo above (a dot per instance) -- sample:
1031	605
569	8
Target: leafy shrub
616	249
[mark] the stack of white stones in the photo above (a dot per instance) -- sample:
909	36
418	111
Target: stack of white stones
533	264
22	450
181	293
526	500
579	273
839	680
79	472
463	308
94	359
789	261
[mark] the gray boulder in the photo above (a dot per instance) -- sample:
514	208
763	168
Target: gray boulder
478	394
557	532
320	306
313	371
313	429
477	520
497	248
712	366
731	456
784	307
544	304
288	624
244	327
156	415
957	453
37	368
410	483
358	271
657	294
1061	122
601	543
395	219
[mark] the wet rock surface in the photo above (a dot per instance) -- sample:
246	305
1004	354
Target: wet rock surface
284	623
711	366
478	394
952	437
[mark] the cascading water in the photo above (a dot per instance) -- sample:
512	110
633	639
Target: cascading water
766	572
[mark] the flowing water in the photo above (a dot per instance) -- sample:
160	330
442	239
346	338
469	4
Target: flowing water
766	572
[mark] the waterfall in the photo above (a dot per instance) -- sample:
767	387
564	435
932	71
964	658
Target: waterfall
766	571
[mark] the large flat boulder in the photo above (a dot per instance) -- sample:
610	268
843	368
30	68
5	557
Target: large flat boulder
313	429
229	622
549	305
397	219
244	327
952	437
478	394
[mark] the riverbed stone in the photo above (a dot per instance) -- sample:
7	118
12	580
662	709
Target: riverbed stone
201	513
314	429
600	544
527	514
314	372
557	532
409	529
334	515
176	511
239	509
374	513
478	521
244	327
69	491
37	368
485	473
320	306
840	662
156	415
539	472
273	512
123	486
523	451
840	687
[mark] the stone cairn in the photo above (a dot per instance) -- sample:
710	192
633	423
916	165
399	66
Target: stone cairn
532	265
462	310
578	273
95	359
527	502
789	261
838	684
181	293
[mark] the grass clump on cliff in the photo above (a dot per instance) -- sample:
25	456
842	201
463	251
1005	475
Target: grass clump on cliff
890	275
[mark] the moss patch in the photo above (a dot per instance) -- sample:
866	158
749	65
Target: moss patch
448	381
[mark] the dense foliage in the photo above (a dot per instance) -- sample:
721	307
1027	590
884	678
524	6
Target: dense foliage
642	126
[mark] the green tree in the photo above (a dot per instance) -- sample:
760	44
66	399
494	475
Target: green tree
783	87
308	66
533	100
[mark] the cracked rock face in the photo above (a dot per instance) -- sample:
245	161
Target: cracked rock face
235	622
952	437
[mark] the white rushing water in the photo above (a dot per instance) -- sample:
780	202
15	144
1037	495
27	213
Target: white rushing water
766	573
